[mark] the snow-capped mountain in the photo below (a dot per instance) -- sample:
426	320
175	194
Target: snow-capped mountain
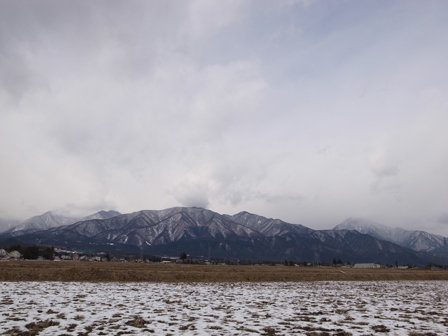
415	240
267	226
152	227
52	219
201	232
6	224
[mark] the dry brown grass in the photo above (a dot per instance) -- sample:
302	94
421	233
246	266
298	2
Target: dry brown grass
130	272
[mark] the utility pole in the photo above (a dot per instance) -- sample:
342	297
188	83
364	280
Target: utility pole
446	252
314	255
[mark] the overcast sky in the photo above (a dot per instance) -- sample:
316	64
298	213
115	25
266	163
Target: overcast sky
310	111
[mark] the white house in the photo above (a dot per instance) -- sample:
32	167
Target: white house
15	255
4	254
367	265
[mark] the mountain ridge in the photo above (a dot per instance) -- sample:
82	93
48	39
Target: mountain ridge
416	240
203	232
52	219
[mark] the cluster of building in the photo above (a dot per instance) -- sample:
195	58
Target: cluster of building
14	255
65	255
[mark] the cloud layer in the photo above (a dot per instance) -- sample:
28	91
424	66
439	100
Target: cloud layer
309	111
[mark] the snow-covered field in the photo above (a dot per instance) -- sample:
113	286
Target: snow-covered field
311	308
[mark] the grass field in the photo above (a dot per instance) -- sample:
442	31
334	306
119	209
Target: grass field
134	272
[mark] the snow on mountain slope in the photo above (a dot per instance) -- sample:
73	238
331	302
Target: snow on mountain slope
6	224
160	226
52	219
415	240
200	232
101	215
268	226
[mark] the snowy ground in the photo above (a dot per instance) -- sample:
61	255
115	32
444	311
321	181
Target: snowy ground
311	308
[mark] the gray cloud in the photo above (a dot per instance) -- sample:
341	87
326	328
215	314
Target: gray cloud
301	110
192	194
380	166
443	218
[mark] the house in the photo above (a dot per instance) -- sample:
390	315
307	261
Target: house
75	257
4	254
15	255
367	265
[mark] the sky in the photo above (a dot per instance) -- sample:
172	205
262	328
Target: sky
310	111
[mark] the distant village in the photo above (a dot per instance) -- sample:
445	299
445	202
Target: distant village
58	254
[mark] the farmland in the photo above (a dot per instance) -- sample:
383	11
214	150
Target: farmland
87	298
135	272
402	308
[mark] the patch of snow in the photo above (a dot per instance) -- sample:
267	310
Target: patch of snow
225	308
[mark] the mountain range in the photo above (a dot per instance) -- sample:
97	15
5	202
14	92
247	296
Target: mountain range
415	240
204	233
6	224
52	219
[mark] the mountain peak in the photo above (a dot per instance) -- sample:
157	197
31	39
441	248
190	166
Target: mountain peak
203	232
415	240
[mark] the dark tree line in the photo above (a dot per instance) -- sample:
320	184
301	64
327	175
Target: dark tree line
337	262
33	252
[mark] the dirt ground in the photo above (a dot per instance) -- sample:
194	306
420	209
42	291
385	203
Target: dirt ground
134	272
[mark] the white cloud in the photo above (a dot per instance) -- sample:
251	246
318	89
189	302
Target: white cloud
311	112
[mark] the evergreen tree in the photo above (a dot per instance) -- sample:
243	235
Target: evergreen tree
13	248
49	253
31	252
